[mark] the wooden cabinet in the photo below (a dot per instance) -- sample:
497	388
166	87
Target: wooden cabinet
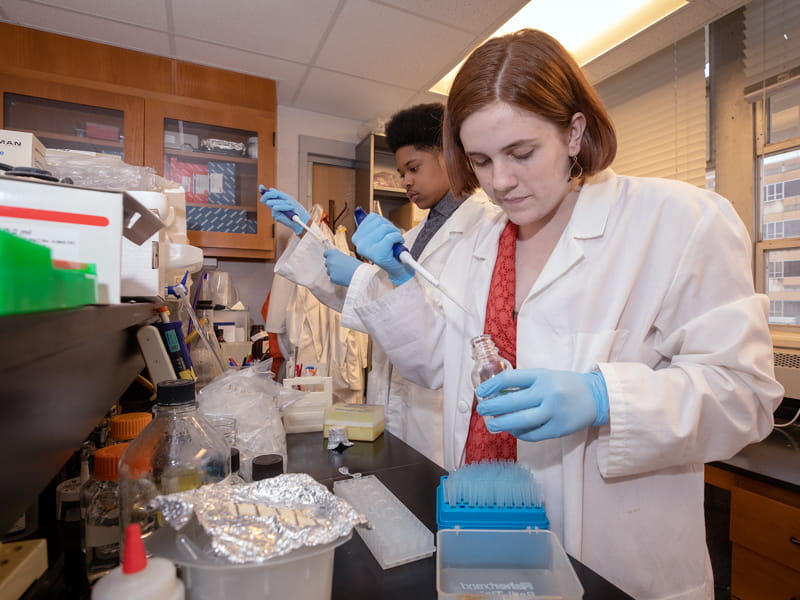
765	537
378	185
156	112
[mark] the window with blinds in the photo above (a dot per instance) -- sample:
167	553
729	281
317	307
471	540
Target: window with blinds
659	110
772	84
772	44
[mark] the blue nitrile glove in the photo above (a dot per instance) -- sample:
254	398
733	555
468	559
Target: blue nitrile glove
545	404
374	239
340	266
282	206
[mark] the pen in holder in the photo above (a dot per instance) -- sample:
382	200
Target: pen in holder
172	336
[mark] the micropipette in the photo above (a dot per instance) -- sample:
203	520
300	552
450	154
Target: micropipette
402	254
293	216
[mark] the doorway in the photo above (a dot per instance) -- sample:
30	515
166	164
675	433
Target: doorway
334	189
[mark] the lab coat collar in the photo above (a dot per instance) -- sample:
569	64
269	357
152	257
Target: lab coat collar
588	221
593	206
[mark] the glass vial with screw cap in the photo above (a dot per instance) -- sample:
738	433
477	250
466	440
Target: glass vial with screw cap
179	450
486	362
100	508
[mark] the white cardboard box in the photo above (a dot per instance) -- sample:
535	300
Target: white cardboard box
77	224
21	149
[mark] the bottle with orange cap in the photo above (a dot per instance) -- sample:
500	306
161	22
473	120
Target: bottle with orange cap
100	510
126	426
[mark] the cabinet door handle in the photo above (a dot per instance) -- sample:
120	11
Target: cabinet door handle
795	540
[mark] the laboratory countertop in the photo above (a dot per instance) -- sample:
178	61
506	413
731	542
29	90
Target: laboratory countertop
775	460
413	479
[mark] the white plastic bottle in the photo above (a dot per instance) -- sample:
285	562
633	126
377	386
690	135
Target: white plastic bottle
138	578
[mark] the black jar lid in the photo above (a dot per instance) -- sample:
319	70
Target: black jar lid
266	466
174	392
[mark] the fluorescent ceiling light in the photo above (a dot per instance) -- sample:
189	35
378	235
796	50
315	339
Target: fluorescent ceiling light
587	28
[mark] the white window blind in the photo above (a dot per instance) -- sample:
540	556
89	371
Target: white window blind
659	111
772	43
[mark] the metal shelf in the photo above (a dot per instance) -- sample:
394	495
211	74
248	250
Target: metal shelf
61	372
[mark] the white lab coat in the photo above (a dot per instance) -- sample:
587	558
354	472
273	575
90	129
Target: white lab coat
412	412
348	350
310	333
650	283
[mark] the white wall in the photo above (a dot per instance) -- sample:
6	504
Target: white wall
292	123
253	280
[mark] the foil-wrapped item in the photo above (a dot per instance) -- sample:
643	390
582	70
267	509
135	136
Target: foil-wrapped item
254	522
337	438
223	146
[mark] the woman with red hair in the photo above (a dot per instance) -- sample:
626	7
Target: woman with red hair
626	306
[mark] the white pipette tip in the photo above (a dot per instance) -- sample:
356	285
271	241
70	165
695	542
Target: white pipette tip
313	233
406	258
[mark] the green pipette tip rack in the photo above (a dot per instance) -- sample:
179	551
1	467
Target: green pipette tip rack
31	282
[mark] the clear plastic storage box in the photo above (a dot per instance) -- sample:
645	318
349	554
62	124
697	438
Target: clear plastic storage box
508	563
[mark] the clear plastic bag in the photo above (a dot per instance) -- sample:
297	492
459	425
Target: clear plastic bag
255	400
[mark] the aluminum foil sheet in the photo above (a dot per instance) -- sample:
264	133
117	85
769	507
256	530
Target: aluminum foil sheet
254	522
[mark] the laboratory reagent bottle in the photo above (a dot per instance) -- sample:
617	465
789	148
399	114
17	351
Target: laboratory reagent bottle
139	578
179	450
100	508
486	363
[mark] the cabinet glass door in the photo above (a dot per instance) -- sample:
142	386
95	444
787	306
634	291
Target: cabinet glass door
66	117
218	168
219	157
66	125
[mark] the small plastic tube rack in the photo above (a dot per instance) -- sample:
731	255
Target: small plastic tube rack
397	537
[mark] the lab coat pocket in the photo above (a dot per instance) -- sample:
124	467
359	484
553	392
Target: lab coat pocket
591	348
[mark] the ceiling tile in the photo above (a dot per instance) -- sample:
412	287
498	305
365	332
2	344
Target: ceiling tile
381	43
349	97
289	30
474	16
147	13
87	27
287	74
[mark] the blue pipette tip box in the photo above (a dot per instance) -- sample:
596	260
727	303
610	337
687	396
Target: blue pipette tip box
466	516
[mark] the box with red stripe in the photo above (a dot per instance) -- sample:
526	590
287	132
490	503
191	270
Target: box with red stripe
77	224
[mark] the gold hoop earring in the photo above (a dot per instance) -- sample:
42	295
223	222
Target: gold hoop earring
572	166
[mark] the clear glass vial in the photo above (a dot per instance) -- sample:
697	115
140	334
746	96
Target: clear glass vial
486	363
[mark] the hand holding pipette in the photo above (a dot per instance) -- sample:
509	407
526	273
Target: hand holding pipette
372	243
289	212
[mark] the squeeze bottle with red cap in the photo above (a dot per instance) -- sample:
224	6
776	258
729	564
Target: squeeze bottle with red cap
138	578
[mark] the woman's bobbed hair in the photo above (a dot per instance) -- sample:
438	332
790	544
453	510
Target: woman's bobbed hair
527	69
